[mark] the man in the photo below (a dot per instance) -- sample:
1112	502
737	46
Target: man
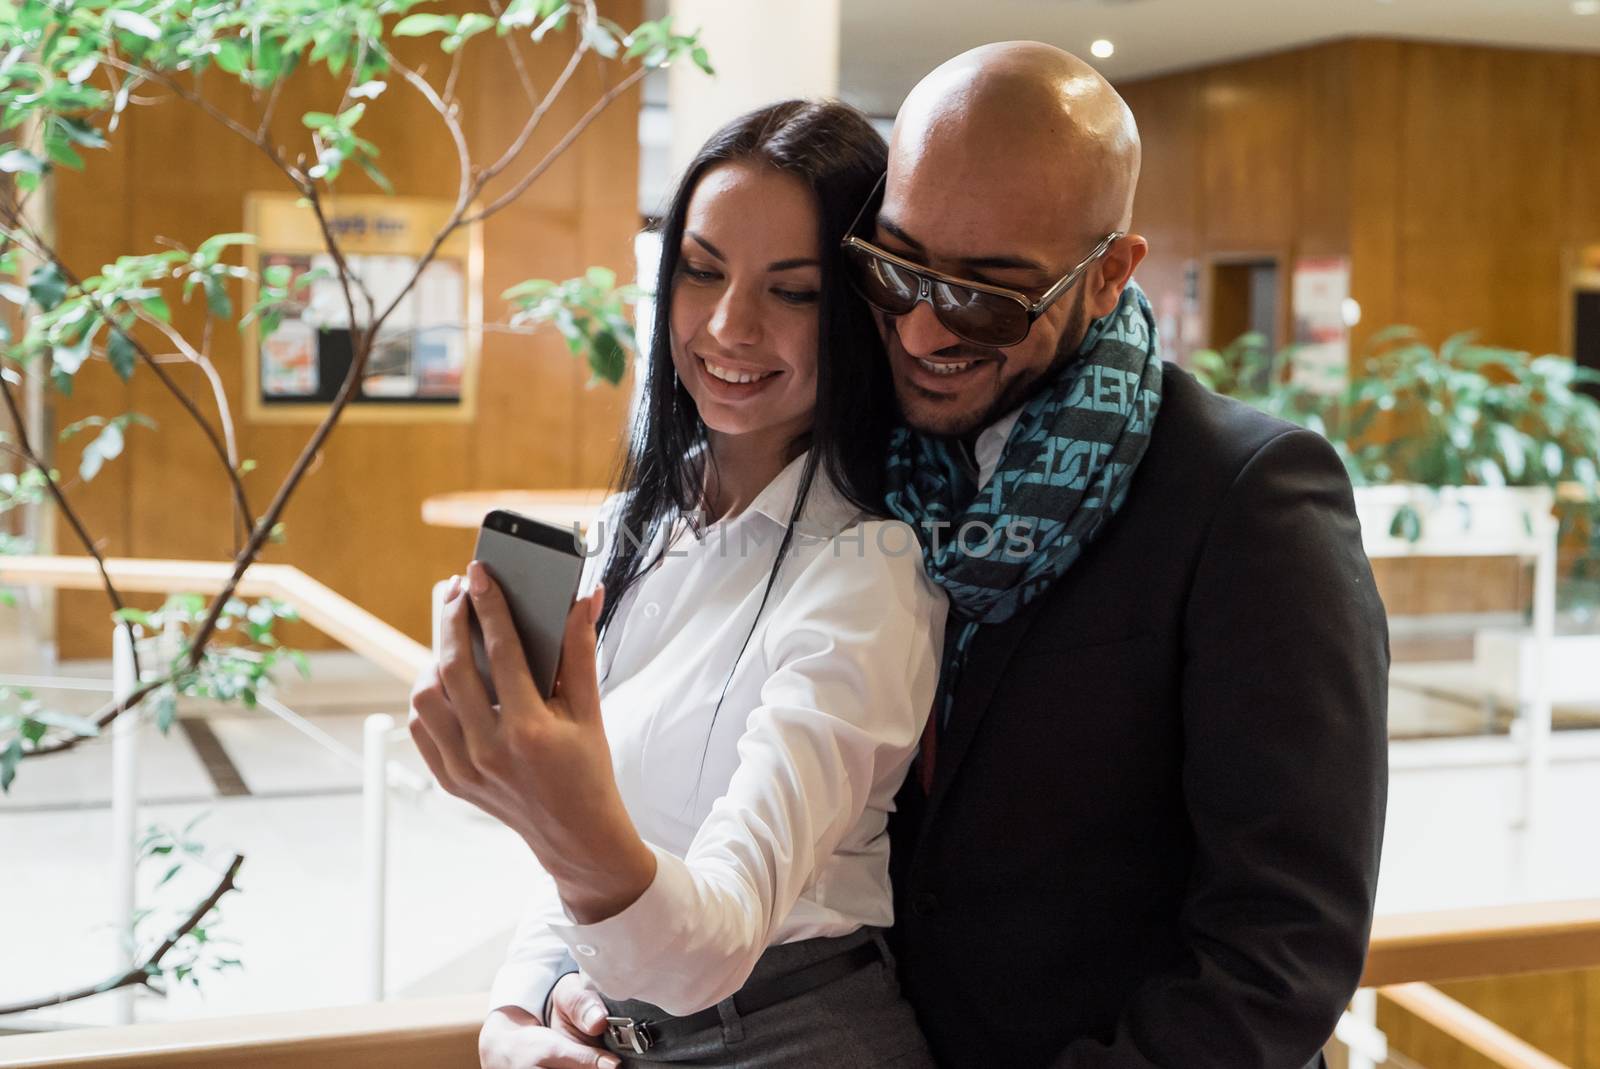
1145	828
1150	834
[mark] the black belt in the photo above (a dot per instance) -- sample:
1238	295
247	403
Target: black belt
639	1036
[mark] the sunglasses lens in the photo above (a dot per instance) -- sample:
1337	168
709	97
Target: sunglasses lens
883	284
981	318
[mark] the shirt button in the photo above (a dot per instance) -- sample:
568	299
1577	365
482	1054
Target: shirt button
651	610
585	949
924	904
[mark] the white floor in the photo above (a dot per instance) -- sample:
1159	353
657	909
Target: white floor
454	875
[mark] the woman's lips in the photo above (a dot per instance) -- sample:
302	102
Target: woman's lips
712	374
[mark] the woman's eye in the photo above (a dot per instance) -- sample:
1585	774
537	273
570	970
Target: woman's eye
696	274
797	296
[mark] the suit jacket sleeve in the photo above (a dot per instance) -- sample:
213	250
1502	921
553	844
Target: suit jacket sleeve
1285	775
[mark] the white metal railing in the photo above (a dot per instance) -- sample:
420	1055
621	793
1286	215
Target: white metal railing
324	609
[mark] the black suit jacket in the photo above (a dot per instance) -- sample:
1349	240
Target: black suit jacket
1152	837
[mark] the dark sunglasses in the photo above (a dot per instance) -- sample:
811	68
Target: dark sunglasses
991	316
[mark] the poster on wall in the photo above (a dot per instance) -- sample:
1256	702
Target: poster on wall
1320	300
424	360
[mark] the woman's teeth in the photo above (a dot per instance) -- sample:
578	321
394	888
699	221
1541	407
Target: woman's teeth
945	368
728	374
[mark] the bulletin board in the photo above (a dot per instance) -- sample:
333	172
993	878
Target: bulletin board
1319	299
424	363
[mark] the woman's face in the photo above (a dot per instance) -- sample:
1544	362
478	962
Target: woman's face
744	302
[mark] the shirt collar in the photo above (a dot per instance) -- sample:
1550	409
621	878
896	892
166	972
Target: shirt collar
826	511
991	444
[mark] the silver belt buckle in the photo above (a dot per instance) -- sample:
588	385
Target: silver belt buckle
629	1034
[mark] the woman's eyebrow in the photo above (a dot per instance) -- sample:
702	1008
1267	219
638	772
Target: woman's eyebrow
787	265
991	263
706	245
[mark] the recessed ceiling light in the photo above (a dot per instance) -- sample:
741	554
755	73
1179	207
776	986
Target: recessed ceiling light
1586	7
1103	49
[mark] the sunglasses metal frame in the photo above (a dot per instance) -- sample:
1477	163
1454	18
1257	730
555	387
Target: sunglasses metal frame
926	275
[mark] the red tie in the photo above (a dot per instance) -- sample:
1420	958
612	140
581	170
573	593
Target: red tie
928	751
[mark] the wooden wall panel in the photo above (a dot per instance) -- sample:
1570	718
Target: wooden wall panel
1482	210
1250	123
1459	179
355	521
1168	203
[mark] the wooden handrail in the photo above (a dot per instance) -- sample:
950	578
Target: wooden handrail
1459	944
329	612
1468	1027
1407	951
440	1033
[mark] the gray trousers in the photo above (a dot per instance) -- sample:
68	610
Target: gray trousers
855	1022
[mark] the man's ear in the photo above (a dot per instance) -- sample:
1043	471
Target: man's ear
1110	276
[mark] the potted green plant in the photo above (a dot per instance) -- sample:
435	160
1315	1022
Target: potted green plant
1448	443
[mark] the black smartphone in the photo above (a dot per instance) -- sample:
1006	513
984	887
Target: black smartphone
537	565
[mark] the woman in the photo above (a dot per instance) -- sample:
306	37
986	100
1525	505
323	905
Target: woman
708	792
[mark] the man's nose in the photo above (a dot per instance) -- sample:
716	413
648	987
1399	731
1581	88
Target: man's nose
737	319
921	333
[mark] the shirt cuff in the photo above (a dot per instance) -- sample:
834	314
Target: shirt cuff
638	949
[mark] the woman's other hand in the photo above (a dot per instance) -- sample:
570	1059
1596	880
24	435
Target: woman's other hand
513	1038
542	768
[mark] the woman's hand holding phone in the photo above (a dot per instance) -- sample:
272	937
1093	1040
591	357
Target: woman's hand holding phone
541	766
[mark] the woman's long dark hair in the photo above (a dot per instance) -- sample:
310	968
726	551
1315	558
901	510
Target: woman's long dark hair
834	150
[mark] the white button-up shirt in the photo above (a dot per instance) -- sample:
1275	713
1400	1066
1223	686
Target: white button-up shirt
767	819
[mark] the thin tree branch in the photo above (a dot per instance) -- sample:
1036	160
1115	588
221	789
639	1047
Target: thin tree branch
449	93
139	974
521	141
523	76
262	130
224	453
66	508
560	146
465	187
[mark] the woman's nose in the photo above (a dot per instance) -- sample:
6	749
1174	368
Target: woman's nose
737	319
921	333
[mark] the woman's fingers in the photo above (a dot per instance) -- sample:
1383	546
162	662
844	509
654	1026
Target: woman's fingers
576	1004
468	698
436	712
508	664
515	1040
577	680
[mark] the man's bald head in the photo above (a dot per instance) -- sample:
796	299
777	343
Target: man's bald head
1019	114
1009	166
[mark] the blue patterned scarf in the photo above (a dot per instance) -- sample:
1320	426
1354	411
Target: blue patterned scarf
1064	472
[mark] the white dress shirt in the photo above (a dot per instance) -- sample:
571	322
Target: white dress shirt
768	819
991	443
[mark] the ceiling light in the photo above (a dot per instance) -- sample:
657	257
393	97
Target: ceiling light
1103	49
1586	7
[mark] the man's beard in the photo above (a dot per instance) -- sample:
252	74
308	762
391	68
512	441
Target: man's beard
1019	390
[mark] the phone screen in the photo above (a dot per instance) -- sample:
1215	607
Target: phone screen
537	565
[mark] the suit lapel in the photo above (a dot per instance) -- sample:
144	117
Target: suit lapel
991	651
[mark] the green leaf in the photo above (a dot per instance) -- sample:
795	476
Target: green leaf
211	248
217	298
10	757
134	23
609	359
424	23
21	160
79	726
122	354
1406	524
